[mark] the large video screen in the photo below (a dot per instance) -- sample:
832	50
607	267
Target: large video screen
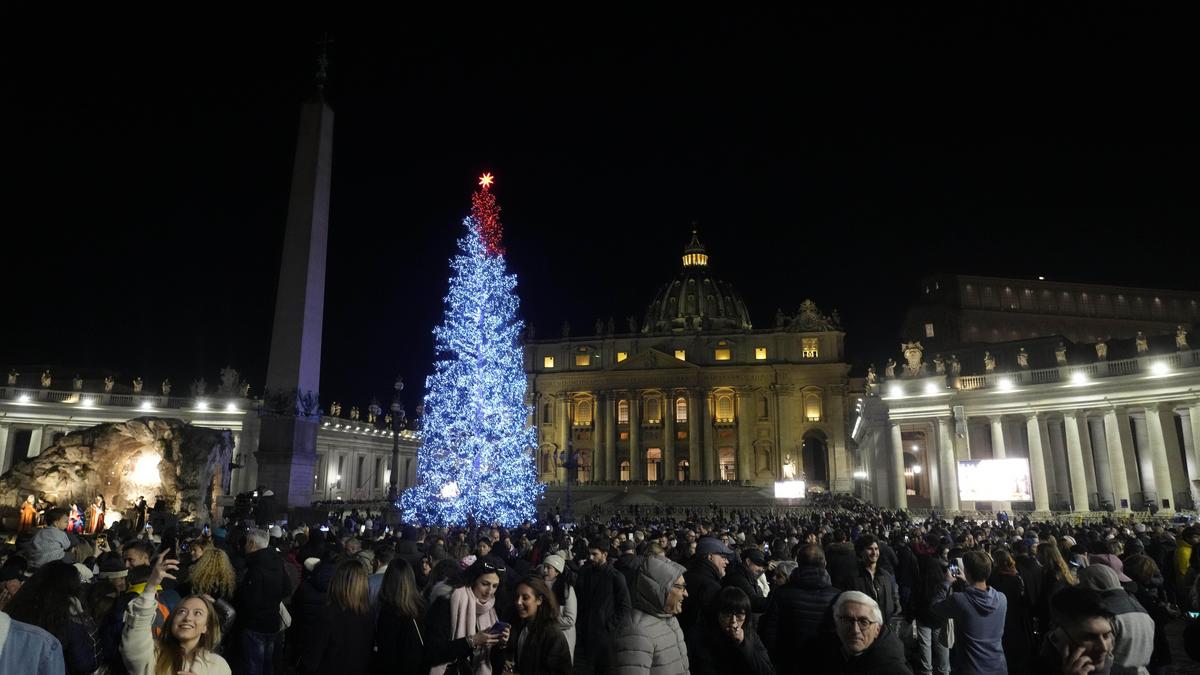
789	489
994	480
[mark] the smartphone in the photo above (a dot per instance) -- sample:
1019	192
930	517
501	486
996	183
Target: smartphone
958	563
954	569
1194	615
497	628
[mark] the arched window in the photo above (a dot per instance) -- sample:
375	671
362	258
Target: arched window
623	411
727	463
812	406
583	412
654	464
653	412
681	409
724	407
624	469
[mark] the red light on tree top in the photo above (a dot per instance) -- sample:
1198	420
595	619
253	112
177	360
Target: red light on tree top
486	214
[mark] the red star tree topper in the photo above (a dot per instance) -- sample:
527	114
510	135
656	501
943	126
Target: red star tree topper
486	213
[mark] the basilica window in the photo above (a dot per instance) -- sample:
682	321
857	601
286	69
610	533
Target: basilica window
809	348
812	406
547	413
583	360
929	330
724	407
728	464
653	414
722	354
583	412
547	361
621	356
623	412
760	353
681	354
681	410
624	469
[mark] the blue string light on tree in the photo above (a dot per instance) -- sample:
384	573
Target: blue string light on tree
475	459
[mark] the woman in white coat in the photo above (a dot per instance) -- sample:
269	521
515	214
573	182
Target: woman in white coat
190	636
561	581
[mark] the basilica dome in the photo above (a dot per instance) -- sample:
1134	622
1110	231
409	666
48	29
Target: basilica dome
695	300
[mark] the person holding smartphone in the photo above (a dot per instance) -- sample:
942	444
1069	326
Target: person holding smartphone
462	628
979	613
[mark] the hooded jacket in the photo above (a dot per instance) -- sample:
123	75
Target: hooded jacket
1133	629
979	617
652	642
264	586
798	612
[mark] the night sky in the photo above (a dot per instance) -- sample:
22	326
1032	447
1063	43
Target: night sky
825	156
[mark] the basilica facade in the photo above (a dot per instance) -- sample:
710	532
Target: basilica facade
694	394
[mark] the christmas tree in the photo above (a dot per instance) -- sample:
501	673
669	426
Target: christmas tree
475	459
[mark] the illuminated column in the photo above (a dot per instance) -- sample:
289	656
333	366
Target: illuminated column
1089	460
1079	500
1158	457
695	443
897	452
600	448
1116	461
947	465
932	474
745	427
1191	446
610	437
999	452
710	453
1037	464
668	470
35	442
1100	456
5	447
635	436
564	435
1175	461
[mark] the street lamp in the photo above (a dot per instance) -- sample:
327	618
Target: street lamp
568	459
398	418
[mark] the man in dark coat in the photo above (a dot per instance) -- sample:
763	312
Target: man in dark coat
703	579
744	575
627	563
257	599
842	561
873	580
865	645
800	611
1030	571
603	608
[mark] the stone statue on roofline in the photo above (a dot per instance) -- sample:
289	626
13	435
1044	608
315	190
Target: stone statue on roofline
1023	359
1181	342
989	362
1102	349
77	383
245	390
12	376
939	364
354	414
889	368
1060	354
872	378
230	378
955	365
335	409
166	387
199	388
46	379
914	365
1143	344
109	383
137	385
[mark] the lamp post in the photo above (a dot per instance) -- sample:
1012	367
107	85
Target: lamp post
398	418
568	459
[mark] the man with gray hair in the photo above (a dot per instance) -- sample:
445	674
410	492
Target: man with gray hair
864	645
257	599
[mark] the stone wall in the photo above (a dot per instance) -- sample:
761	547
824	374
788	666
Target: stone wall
192	467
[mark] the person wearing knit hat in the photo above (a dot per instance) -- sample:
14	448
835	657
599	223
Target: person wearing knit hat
85	573
562	585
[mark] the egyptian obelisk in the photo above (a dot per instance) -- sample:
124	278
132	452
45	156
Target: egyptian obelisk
287	445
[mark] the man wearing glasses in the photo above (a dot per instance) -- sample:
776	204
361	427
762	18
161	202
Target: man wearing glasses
652	642
864	645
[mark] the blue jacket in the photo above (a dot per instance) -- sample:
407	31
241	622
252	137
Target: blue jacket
28	650
978	629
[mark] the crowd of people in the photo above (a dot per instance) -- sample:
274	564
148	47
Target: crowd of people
832	587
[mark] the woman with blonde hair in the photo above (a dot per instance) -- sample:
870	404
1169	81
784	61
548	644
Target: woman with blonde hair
1056	575
345	632
189	642
212	574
